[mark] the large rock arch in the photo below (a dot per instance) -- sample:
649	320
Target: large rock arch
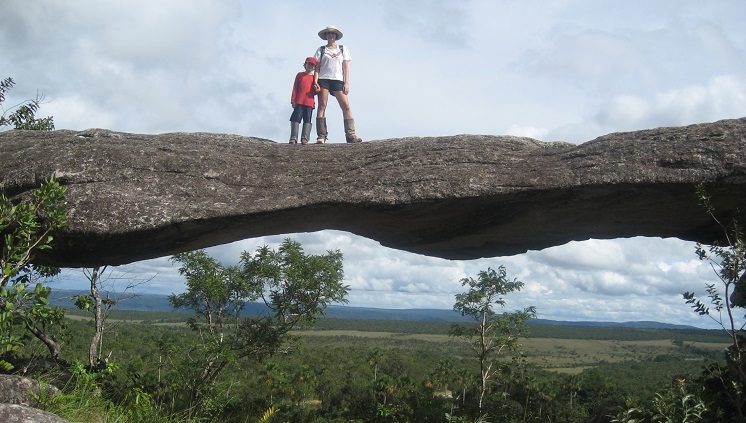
134	197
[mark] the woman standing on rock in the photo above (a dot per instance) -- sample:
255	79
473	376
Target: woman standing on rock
333	75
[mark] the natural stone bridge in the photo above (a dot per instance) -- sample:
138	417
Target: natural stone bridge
133	197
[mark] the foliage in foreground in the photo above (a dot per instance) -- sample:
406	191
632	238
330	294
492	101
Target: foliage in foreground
27	228
719	393
295	288
332	379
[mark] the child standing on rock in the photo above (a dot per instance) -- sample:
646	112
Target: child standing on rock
303	101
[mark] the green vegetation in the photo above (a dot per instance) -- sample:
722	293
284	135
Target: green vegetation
719	394
23	116
100	308
362	370
374	373
295	287
26	228
492	332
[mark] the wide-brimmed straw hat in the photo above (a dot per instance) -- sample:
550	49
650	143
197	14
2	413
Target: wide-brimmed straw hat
322	33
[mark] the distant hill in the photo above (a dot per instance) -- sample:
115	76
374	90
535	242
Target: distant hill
637	325
152	302
143	302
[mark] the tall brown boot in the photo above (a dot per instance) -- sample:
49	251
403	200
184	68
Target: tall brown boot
321	130
350	131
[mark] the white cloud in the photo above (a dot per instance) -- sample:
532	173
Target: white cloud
442	23
527	131
629	288
721	98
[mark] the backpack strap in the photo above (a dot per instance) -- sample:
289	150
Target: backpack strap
323	50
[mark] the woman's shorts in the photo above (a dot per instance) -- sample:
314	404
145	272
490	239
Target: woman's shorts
301	112
332	85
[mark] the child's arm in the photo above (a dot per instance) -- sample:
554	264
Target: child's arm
296	86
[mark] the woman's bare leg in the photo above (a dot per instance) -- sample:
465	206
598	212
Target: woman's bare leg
344	104
323	100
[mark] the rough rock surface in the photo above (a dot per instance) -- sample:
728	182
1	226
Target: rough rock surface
17	399
134	197
20	390
14	413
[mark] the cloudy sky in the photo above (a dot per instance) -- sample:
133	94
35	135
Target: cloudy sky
566	70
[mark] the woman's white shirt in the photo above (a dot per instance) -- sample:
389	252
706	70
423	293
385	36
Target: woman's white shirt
331	63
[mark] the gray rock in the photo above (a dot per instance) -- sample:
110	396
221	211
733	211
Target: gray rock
20	390
134	197
14	413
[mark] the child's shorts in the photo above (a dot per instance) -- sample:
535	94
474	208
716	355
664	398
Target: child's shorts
301	112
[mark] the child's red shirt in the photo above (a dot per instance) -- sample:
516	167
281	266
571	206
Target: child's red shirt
303	90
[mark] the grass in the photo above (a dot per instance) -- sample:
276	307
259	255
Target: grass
560	355
573	350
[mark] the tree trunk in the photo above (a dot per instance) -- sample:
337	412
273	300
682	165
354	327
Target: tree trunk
52	345
94	350
483	358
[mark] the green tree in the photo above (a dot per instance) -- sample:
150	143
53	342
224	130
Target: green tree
101	307
217	294
676	404
464	379
274	380
728	262
26	228
720	393
374	360
295	288
30	310
22	116
442	376
493	333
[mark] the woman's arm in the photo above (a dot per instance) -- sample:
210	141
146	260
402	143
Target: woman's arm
316	71
346	75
